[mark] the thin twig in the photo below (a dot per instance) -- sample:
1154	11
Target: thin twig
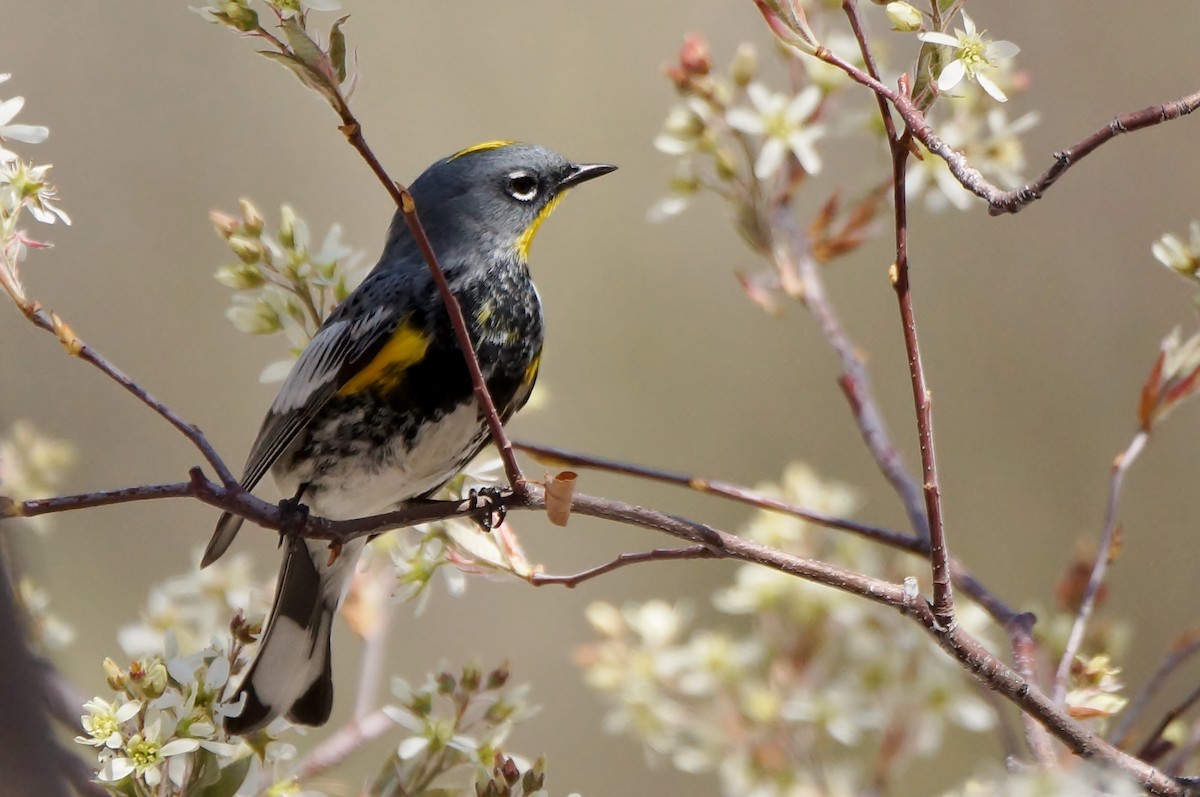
854	381
351	128
625	559
960	645
1149	747
374	656
50	322
1001	201
1020	632
562	457
342	743
1180	652
1087	605
939	554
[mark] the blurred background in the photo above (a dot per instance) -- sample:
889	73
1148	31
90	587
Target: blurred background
1037	329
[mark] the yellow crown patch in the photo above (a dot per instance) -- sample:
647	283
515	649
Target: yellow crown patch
484	147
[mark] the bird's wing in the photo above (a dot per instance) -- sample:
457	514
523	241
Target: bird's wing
342	349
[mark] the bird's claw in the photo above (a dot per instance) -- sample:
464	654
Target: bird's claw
293	515
487	506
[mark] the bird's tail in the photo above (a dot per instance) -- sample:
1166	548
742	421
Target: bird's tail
291	674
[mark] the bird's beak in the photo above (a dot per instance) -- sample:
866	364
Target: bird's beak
582	172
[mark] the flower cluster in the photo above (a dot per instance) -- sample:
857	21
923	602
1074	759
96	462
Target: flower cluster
1080	780
32	466
458	726
737	137
816	688
1182	257
23	189
162	732
282	283
241	16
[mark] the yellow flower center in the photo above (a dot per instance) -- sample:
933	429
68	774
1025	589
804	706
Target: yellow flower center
143	752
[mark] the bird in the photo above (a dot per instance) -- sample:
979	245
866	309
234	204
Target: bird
378	409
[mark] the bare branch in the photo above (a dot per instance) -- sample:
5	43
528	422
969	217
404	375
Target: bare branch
50	322
342	743
561	456
1182	650
854	381
1001	201
625	559
1120	467
939	555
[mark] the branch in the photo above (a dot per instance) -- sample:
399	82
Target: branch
552	455
999	611
625	559
939	555
1151	748
342	743
1025	662
961	646
52	323
1087	605
854	381
1001	201
351	128
1183	649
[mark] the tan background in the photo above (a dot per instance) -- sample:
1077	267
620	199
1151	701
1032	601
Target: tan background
1037	329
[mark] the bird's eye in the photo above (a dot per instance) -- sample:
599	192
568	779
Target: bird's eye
522	186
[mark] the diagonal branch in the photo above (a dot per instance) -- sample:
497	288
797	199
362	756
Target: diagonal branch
49	321
624	560
1001	201
1182	650
1087	605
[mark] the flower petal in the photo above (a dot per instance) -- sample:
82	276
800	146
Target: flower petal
990	87
933	37
954	72
10	108
30	134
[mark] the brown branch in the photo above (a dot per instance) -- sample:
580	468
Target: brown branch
960	645
1087	605
625	559
1001	201
552	455
939	555
50	322
1020	632
342	743
854	381
1151	749
971	586
351	128
1180	652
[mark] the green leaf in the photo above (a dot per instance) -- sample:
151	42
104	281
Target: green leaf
231	778
337	49
314	80
304	47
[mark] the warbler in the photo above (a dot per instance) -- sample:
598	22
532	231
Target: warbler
379	410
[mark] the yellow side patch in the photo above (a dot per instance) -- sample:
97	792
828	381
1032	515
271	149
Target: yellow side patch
531	371
484	147
526	239
386	370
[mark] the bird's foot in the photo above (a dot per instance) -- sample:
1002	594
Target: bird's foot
293	516
487	506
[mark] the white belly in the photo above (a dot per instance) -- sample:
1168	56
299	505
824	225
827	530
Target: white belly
350	490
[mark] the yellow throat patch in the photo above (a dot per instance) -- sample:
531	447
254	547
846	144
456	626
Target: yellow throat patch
526	238
386	370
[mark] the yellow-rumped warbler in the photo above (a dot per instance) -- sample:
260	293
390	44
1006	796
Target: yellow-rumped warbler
378	410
